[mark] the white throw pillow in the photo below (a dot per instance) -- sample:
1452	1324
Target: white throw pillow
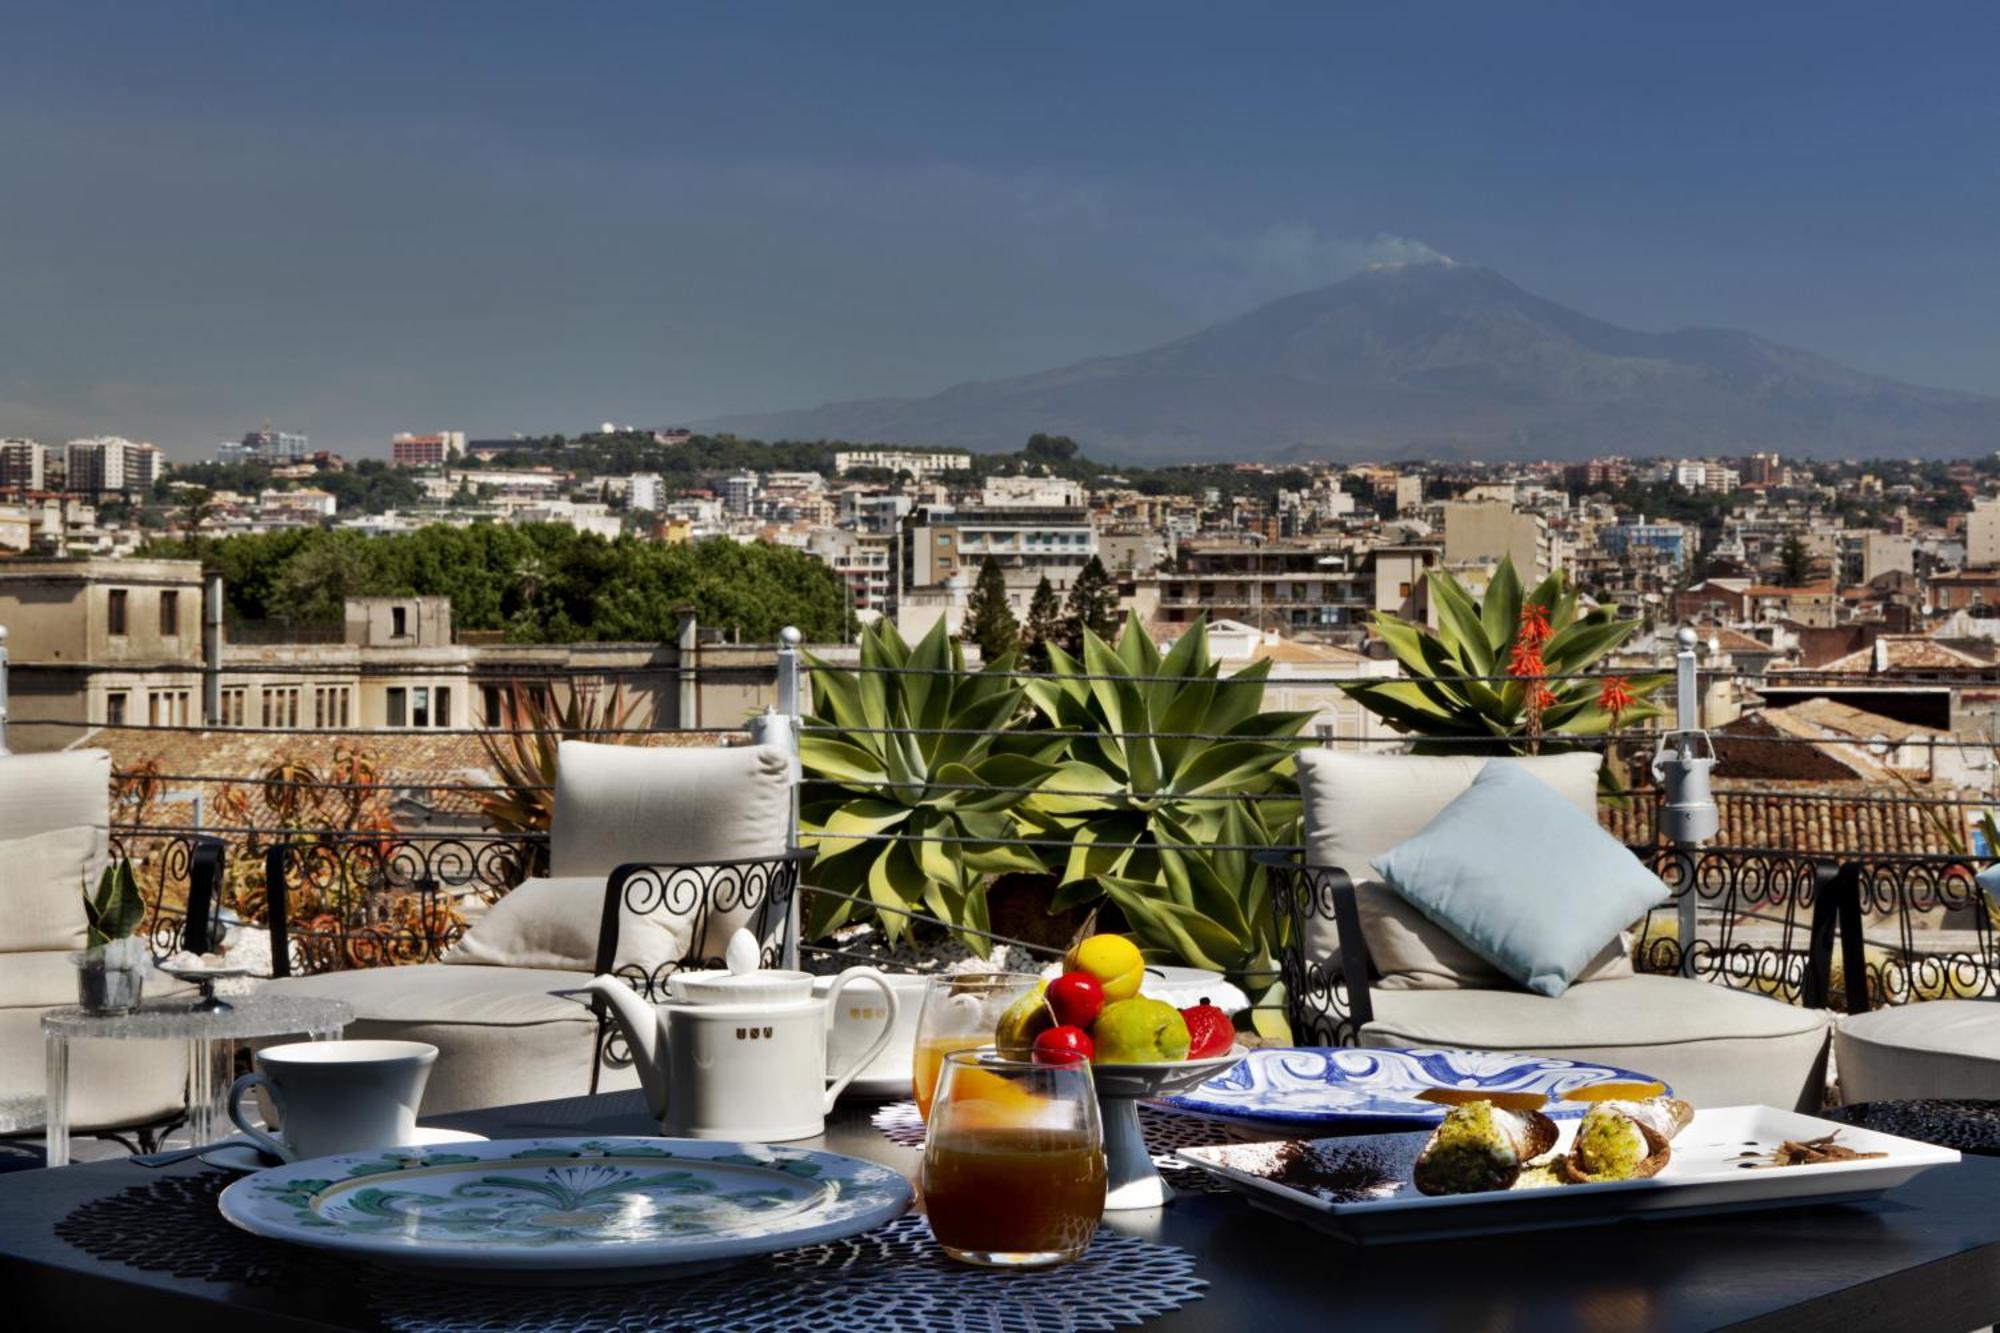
553	923
42	882
620	803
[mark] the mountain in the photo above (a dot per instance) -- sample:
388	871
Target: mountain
1430	360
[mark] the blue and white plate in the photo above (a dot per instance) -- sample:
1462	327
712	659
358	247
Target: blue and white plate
1321	1084
556	1207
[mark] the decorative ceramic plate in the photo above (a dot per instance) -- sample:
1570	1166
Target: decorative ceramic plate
530	1206
1320	1084
1360	1188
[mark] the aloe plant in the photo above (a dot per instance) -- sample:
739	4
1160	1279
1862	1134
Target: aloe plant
1452	687
900	813
1135	779
116	909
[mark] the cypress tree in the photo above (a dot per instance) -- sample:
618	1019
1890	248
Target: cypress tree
1045	624
989	620
1092	605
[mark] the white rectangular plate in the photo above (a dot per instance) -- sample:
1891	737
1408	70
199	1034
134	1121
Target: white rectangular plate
1366	1195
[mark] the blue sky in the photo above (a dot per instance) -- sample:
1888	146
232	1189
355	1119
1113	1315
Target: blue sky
355	219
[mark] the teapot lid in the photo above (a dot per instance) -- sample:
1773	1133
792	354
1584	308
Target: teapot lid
742	982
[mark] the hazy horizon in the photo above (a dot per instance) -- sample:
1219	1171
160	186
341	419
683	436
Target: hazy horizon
356	220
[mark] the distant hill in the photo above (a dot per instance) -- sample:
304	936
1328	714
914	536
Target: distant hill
1433	360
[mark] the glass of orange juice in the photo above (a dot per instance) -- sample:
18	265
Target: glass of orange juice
960	1012
1013	1172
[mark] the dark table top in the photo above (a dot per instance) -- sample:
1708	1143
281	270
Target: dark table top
1927	1256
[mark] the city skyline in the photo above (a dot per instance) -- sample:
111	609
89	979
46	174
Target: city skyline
355	222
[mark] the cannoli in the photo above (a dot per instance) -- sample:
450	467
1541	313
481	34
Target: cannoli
1625	1140
1481	1147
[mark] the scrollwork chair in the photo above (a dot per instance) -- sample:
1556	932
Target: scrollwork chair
1716	1045
55	831
697	841
1938	1032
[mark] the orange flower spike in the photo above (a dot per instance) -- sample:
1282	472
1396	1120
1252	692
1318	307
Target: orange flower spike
1534	628
1615	696
1526	660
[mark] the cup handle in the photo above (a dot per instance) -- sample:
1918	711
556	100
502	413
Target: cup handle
842	982
237	1090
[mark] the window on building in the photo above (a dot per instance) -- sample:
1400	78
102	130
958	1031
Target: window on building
489	704
443	706
232	707
420	706
115	620
399	621
344	693
170	614
399	706
114	708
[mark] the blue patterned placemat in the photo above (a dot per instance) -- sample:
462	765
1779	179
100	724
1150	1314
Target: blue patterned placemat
893	1279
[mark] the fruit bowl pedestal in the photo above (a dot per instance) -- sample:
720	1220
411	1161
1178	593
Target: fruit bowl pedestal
1131	1179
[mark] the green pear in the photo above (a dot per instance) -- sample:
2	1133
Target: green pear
1025	1019
1140	1031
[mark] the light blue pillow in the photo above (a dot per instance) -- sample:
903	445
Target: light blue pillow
1522	878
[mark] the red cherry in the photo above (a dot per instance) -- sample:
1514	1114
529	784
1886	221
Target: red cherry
1077	998
1065	1045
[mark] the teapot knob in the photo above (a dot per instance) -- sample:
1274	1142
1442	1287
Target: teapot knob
742	955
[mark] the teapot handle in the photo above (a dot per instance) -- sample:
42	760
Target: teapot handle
842	982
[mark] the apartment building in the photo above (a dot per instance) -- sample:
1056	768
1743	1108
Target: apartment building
946	542
407	450
24	464
264	446
865	562
109	463
916	462
1295	587
1482	532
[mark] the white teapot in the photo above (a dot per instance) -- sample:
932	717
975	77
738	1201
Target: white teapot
740	1053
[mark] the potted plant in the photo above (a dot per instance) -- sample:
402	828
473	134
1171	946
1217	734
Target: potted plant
111	970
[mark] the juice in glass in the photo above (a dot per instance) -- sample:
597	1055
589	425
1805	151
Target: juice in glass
1014	1170
960	1011
928	1062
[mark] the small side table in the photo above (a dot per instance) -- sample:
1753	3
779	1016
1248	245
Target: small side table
211	1036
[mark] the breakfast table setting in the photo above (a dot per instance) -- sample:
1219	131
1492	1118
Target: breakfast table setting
1070	1151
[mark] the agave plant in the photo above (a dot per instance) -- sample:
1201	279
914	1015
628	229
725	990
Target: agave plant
523	752
914	765
1138	781
1454	687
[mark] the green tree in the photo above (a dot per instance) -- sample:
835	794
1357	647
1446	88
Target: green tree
1796	560
1092	606
197	504
1044	625
316	583
989	620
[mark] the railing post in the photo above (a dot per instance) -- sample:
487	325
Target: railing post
211	652
1689	813
3	691
779	726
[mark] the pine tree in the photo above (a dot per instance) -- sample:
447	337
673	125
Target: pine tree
1797	561
989	620
1045	625
1092	605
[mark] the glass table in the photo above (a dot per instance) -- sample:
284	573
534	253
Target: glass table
211	1036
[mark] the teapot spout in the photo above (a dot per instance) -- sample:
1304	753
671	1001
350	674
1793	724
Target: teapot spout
644	1033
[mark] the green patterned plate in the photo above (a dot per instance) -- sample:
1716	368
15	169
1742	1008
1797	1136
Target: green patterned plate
539	1205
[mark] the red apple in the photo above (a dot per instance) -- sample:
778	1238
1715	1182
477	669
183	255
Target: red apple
1209	1031
1077	998
1063	1045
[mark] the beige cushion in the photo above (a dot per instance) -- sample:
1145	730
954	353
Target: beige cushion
620	803
1359	806
1716	1046
112	1084
1933	1048
553	923
501	1036
43	878
39	792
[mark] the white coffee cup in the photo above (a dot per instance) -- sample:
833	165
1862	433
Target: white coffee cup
337	1096
858	1019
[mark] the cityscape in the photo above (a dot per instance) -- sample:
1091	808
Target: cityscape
880	667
